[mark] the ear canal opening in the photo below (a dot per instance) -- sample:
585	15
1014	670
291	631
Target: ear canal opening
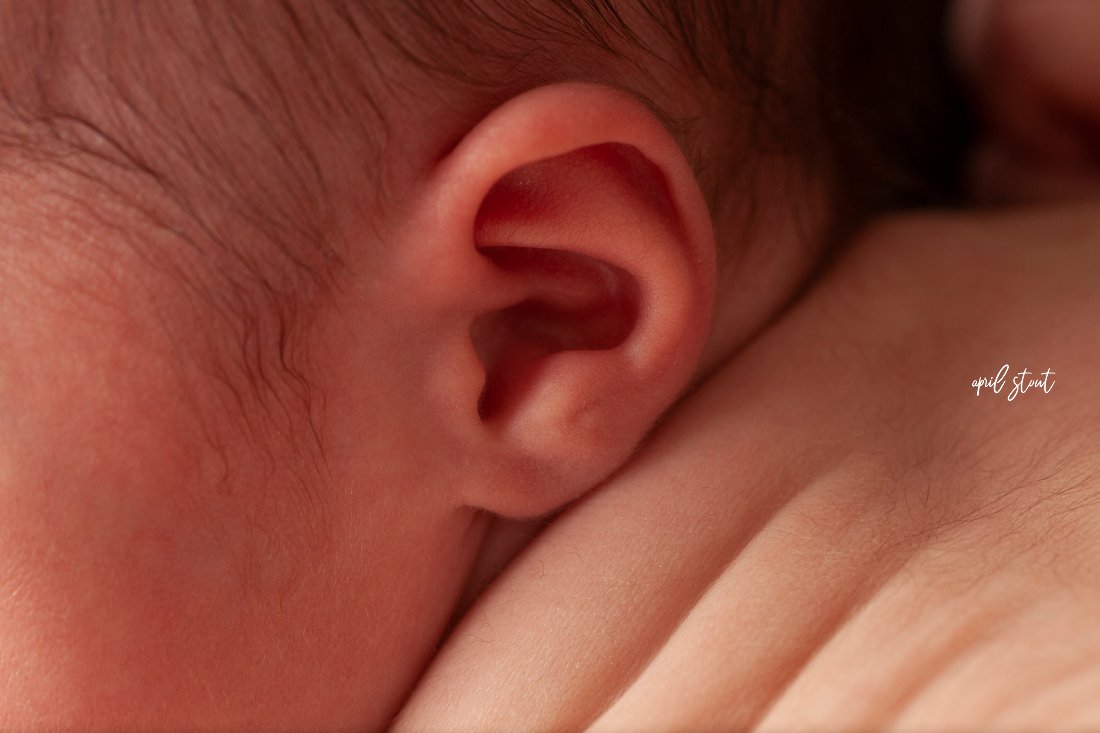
577	303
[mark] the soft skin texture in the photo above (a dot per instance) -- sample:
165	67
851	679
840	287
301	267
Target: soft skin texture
286	315
177	555
260	388
198	532
835	532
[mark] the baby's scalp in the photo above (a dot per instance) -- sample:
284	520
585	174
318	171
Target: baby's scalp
255	140
253	115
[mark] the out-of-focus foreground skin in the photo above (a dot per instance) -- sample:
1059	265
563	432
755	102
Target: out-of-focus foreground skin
839	531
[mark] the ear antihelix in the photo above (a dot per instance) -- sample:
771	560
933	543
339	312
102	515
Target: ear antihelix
577	369
575	303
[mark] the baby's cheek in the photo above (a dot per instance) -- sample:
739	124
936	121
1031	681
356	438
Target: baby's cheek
157	567
116	548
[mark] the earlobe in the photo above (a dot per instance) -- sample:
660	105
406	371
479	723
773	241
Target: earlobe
573	256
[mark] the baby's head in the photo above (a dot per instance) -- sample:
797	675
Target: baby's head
294	296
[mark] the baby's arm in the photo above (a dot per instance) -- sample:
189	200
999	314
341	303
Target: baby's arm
845	529
836	531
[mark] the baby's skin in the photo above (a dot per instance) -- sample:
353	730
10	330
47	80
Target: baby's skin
269	364
881	514
836	532
266	374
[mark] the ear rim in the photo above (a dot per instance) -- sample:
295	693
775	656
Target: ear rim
525	130
536	126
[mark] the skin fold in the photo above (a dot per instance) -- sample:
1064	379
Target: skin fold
292	351
834	532
839	530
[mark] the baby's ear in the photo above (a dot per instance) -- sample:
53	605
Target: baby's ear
1033	66
562	257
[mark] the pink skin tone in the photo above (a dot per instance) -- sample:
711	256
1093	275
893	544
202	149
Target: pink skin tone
166	564
834	532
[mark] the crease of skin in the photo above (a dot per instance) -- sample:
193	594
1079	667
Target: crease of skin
934	642
813	638
503	539
652	621
857	602
760	504
1067	702
935	490
1009	710
769	685
939	646
747	707
949	652
689	603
